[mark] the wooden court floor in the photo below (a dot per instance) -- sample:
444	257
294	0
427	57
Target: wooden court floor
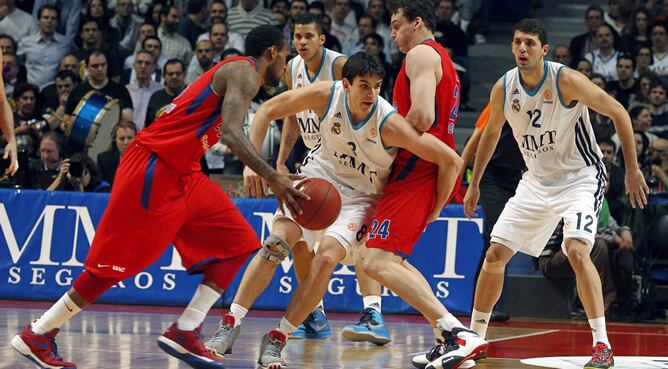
109	336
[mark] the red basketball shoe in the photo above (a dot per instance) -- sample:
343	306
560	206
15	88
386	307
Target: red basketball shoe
41	349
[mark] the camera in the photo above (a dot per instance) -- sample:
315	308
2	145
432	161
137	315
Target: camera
76	168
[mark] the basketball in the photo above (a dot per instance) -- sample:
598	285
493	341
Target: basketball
324	206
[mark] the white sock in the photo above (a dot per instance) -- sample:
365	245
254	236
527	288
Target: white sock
446	323
286	327
479	322
372	301
598	331
238	312
56	316
198	307
320	306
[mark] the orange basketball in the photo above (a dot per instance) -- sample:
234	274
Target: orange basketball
324	206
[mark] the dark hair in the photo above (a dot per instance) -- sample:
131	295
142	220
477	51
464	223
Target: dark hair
228	52
612	31
95	52
532	26
166	9
366	15
85	20
640	47
658	83
88	164
627	57
260	38
633	31
57	139
63	74
664	25
143	43
362	64
308	18
22	88
47	7
607	141
583	60
144	51
593	8
4	35
218	21
378	38
173	61
195	6
416	8
634	113
317	4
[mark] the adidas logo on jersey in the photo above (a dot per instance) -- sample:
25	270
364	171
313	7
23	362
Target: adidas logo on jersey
516	92
338	115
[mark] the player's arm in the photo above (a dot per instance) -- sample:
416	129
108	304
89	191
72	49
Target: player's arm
472	144
338	67
7	127
488	141
422	66
397	132
575	86
289	132
241	83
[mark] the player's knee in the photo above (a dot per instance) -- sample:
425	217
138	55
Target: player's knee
274	249
372	268
578	257
498	254
326	260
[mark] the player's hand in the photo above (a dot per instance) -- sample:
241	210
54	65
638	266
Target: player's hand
286	194
10	152
282	169
636	187
254	184
471	201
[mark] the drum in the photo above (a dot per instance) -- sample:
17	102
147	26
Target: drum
94	119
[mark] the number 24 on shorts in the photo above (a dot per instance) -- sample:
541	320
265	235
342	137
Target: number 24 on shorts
380	229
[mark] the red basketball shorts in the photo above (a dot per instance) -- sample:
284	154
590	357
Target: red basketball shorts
402	213
151	206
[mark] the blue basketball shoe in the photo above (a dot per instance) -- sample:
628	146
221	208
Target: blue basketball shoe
314	327
371	328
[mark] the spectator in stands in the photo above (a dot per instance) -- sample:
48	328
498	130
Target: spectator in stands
204	62
91	38
586	42
68	21
295	8
641	119
584	66
378	11
144	86
96	65
659	109
618	14
127	24
218	13
15	22
660	164
659	49
217	10
373	45
108	161
604	58
449	34
194	24
331	41
173	44
615	172
153	45
561	54
624	88
43	51
175	76
153	12
339	27
80	174
54	109
7	44
28	124
219	36
45	170
645	81
365	26
10	73
49	95
638	30
231	53
145	30
248	15
280	11
99	10
643	59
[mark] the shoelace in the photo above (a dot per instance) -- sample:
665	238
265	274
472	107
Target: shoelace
54	349
599	355
367	316
222	334
273	347
435	352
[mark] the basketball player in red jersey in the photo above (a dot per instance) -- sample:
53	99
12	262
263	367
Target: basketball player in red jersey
426	92
160	196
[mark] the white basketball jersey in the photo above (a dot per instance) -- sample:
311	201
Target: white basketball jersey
309	122
351	153
659	64
605	66
554	139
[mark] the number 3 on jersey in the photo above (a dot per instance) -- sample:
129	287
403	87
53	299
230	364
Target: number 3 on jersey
380	229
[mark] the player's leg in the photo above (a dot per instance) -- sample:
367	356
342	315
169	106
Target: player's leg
371	326
316	325
112	256
306	297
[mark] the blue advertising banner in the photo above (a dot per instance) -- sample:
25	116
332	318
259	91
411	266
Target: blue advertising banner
46	236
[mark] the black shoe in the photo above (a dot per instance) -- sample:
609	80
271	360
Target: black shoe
499	316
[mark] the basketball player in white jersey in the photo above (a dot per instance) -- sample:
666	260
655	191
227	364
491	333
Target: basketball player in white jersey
360	133
313	63
546	105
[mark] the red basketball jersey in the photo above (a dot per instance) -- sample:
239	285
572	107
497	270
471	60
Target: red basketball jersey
190	125
446	104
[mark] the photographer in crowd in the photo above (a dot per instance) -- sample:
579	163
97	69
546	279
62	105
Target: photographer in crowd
79	173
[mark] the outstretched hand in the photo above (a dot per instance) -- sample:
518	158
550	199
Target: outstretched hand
254	184
286	194
636	188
